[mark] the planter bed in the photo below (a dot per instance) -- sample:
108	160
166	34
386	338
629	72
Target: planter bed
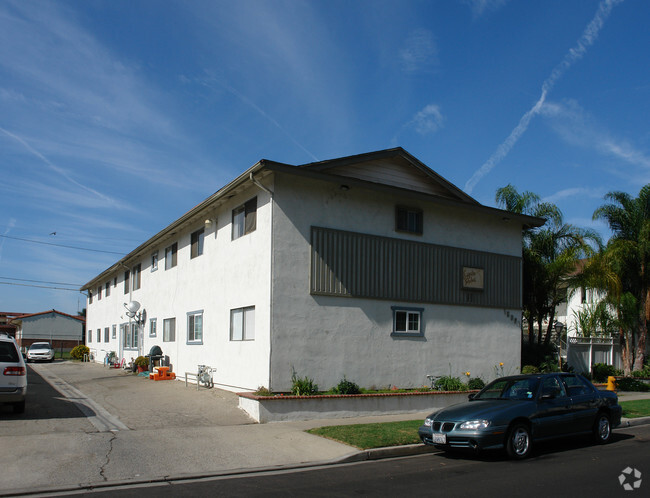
283	408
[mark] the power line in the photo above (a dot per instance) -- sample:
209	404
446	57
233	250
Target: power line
61	245
40	281
39	286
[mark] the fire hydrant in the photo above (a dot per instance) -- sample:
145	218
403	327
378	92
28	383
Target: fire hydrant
611	383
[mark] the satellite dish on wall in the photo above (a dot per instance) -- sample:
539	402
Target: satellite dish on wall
132	308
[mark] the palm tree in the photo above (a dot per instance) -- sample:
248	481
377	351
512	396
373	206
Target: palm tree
629	254
550	255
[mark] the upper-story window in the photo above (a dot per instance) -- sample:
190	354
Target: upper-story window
244	219
127	279
107	288
408	219
99	293
90	296
170	256
154	261
197	243
137	277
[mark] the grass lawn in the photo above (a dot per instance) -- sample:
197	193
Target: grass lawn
636	408
365	436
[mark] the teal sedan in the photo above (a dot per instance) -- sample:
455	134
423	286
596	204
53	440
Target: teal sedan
513	412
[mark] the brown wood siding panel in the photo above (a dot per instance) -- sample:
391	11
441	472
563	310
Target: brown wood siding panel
359	265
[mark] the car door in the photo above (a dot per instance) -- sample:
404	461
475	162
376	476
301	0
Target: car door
584	402
554	417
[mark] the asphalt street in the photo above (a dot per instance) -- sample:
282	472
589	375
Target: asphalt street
572	467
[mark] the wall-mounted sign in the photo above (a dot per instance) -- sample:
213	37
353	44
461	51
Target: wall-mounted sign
473	278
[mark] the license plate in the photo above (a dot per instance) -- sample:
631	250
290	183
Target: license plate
439	438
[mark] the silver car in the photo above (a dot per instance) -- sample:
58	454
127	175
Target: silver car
40	351
13	374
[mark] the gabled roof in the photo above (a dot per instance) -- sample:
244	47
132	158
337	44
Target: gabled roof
390	170
394	167
30	315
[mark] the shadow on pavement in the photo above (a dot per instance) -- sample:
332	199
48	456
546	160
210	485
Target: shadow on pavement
43	402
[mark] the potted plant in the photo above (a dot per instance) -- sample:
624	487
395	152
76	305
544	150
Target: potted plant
142	363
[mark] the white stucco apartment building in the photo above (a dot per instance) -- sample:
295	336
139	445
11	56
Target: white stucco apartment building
371	267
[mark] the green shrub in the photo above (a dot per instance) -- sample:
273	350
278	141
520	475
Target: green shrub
346	387
475	383
529	369
302	386
79	351
262	391
449	383
630	384
600	372
645	373
141	361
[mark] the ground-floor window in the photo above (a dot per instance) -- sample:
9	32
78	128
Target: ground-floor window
407	321
195	327
114	332
242	324
169	329
152	327
129	333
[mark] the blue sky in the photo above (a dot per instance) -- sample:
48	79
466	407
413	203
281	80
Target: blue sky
117	117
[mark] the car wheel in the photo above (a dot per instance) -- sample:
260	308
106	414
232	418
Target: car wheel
19	407
602	428
518	442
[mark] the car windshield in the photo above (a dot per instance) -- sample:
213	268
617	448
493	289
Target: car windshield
510	388
39	346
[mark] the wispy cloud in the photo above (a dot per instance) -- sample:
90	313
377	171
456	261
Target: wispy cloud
10	225
211	82
420	52
577	127
574	192
588	37
480	7
428	120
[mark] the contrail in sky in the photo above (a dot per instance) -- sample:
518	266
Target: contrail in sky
587	39
55	168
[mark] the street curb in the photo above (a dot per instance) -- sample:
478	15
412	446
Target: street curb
631	422
357	456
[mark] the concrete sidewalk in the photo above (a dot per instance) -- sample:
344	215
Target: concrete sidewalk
141	431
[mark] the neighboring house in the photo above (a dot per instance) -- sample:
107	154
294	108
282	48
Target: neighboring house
63	331
6	327
371	267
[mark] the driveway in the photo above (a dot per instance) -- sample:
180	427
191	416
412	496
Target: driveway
86	424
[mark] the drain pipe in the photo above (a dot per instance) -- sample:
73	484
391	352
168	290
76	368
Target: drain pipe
258	184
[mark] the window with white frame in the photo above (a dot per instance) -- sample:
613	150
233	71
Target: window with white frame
90	335
169	329
196	243
244	219
154	261
242	324
407	321
114	332
195	327
170	256
106	334
152	327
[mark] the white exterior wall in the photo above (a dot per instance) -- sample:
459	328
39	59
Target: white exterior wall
230	274
50	327
326	338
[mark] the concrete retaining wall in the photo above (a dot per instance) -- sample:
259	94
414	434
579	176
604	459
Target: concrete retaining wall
283	408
